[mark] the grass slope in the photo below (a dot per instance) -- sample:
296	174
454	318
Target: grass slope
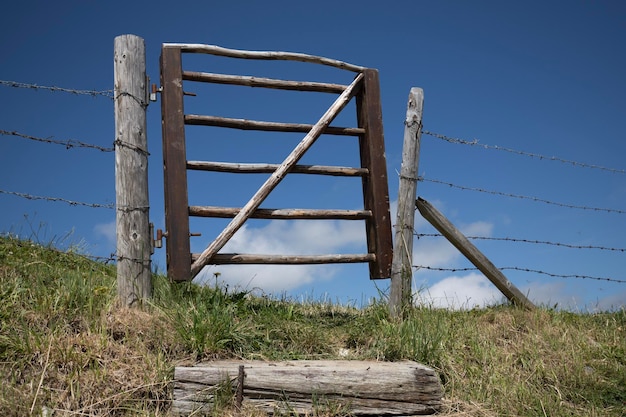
65	350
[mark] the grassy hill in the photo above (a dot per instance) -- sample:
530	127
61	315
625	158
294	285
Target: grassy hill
65	350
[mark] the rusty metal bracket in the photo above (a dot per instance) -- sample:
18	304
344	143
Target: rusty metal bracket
157	242
154	91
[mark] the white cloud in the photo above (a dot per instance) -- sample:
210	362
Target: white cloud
287	238
106	230
301	237
460	292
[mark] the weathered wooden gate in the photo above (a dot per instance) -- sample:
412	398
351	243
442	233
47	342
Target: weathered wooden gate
182	265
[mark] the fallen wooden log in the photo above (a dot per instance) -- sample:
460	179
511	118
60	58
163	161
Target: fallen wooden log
360	388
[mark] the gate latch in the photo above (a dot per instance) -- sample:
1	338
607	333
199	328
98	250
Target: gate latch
160	234
158	242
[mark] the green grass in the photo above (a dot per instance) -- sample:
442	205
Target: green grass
66	350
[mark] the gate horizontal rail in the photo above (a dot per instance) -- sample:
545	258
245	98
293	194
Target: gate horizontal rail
241	168
238	258
263	55
183	265
248	81
245	124
269	213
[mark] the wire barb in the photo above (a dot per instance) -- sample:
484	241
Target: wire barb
122	144
93	93
523	153
58	199
69	144
517	268
536	199
541	242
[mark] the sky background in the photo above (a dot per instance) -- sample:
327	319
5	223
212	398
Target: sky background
544	77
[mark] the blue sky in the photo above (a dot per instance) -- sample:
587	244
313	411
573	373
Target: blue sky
545	77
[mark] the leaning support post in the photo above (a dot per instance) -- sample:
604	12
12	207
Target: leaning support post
400	296
475	256
131	172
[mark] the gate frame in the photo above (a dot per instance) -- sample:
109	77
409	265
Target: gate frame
372	154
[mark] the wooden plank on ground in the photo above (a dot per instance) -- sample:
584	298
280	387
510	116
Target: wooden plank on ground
361	388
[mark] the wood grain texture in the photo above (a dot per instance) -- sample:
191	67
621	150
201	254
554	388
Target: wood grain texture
268	213
134	242
246	124
375	185
174	166
249	81
251	168
402	266
262	55
362	387
246	258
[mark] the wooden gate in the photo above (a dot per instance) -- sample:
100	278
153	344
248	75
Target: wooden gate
182	265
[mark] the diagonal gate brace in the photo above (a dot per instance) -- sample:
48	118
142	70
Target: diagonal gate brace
316	131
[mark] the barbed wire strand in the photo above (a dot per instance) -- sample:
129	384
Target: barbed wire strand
93	93
58	199
102	259
536	199
120	143
523	153
516	268
141	102
70	143
113	258
125	209
541	242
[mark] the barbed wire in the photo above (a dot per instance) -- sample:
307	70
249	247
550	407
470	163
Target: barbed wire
542	242
122	144
93	93
144	104
523	153
114	258
70	143
105	260
516	268
125	209
58	199
536	199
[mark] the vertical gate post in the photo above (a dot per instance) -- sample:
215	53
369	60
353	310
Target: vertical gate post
134	279
400	296
375	186
178	248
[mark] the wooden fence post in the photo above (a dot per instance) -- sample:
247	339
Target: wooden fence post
400	296
134	281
